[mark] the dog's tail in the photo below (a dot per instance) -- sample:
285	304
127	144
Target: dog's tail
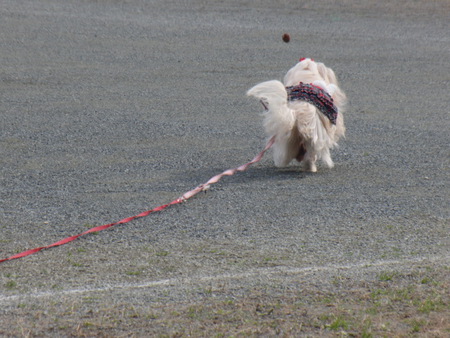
278	117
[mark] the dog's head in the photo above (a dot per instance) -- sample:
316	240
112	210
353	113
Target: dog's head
309	71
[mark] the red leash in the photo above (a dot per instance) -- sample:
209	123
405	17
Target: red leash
181	199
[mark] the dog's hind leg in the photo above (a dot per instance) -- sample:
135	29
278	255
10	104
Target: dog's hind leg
285	149
309	161
281	155
326	158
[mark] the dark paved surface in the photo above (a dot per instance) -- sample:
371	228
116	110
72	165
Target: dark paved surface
109	109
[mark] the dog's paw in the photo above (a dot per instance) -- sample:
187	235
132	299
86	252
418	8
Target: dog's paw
309	167
312	168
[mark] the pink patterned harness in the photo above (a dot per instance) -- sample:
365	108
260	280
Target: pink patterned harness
316	96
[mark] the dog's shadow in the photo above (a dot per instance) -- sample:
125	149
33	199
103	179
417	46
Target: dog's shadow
258	174
272	174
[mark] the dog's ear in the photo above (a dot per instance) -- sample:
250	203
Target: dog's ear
327	74
340	99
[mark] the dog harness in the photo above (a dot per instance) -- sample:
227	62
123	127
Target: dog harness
316	96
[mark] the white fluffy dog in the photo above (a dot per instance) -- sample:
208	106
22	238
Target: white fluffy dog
304	114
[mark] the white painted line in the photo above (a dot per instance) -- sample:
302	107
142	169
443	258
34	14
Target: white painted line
252	273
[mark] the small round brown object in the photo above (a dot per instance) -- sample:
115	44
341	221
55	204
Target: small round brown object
286	37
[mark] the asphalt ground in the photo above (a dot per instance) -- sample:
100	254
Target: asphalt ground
111	108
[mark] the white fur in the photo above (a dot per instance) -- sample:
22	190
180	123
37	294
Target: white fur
302	131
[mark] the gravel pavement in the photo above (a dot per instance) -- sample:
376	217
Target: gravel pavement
110	108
